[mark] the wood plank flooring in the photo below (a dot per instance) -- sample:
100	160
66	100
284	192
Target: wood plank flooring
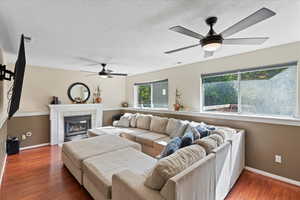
38	174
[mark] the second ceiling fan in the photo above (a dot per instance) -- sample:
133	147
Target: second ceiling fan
105	73
213	41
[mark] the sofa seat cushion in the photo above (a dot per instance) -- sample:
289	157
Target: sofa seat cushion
100	169
77	151
172	165
149	138
110	130
118	131
132	133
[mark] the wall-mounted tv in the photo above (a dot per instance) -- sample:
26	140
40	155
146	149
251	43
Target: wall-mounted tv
18	80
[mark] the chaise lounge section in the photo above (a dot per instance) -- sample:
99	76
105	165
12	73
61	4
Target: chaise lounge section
74	153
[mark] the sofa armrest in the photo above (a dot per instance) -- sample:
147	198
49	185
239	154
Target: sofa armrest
194	183
127	185
223	169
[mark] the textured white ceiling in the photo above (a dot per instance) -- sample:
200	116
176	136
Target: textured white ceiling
133	34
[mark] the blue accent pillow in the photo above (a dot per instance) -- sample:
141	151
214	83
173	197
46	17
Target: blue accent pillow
173	145
187	139
204	130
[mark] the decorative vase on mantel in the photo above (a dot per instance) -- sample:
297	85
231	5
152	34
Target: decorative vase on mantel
97	95
98	100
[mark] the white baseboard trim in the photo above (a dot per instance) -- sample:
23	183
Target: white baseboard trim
2	170
34	146
274	176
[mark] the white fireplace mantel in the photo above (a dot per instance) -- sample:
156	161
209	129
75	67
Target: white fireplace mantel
58	112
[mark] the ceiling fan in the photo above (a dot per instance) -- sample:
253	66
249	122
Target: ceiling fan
105	73
213	41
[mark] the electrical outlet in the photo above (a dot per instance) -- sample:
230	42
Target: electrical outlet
278	158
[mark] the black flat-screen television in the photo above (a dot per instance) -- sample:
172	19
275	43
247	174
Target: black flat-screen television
18	80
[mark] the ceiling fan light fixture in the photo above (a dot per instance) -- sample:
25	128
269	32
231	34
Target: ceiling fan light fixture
212	46
212	42
104	76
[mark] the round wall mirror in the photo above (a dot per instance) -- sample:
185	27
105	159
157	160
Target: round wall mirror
79	93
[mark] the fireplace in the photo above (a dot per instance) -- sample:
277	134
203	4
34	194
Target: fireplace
76	127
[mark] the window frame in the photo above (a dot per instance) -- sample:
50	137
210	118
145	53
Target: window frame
296	114
136	94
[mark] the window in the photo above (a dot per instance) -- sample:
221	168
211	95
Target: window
152	94
260	91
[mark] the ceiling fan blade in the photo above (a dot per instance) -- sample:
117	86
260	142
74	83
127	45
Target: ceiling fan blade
117	74
92	74
109	70
93	64
88	71
180	49
90	60
208	54
185	31
254	18
245	41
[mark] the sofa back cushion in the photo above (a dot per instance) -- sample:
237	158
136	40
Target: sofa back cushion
158	124
172	165
175	127
143	121
133	120
209	144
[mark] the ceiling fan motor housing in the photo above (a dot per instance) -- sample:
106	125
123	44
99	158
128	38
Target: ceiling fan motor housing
211	39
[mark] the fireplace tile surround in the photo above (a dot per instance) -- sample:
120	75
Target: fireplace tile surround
60	111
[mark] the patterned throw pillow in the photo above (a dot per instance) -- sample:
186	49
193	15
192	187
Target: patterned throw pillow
204	129
173	145
187	139
192	129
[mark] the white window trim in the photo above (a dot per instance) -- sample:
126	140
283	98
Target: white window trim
298	92
295	118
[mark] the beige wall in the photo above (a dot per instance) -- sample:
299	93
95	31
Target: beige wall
187	77
41	83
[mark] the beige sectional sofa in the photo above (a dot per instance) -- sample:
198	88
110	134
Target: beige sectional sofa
119	170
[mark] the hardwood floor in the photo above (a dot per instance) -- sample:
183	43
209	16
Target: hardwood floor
38	174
